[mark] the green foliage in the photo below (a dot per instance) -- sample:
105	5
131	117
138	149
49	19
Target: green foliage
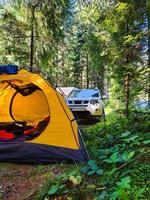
124	23
61	185
119	169
91	168
123	149
124	183
80	43
15	37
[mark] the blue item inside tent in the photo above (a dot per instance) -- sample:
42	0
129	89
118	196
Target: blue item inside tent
8	69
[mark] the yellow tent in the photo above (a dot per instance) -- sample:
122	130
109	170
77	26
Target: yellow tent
36	124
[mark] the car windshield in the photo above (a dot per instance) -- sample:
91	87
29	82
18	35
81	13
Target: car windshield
84	93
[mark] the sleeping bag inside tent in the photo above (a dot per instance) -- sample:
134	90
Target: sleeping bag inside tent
36	125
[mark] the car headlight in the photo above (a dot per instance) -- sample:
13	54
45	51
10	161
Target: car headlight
94	101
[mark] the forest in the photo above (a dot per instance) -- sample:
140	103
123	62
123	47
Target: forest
101	44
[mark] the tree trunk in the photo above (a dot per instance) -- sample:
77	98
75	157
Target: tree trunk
32	38
127	78
101	80
148	19
57	66
32	41
87	71
127	95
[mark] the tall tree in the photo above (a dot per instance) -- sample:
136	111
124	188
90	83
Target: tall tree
148	20
30	31
125	24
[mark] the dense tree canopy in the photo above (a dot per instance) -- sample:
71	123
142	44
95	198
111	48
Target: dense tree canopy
102	44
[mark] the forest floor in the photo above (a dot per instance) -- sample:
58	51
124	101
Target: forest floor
22	181
18	181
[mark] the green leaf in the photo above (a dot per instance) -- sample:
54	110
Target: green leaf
131	138
91	173
53	189
91	162
99	172
127	156
146	142
115	195
62	186
92	165
62	176
120	194
125	183
125	134
131	154
139	193
102	195
113	158
84	169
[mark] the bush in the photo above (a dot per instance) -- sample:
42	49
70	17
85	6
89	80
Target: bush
119	165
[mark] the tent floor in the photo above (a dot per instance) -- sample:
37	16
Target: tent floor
24	152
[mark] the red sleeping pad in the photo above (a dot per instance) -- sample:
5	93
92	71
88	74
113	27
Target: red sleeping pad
6	135
12	130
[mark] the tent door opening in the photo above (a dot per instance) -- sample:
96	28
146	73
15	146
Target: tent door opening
24	114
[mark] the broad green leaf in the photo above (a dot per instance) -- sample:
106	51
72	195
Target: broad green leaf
146	142
53	189
113	158
120	194
125	183
115	195
127	156
92	164
131	154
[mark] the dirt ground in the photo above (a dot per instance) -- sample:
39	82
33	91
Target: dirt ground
21	182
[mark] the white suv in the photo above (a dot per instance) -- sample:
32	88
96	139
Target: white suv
86	103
